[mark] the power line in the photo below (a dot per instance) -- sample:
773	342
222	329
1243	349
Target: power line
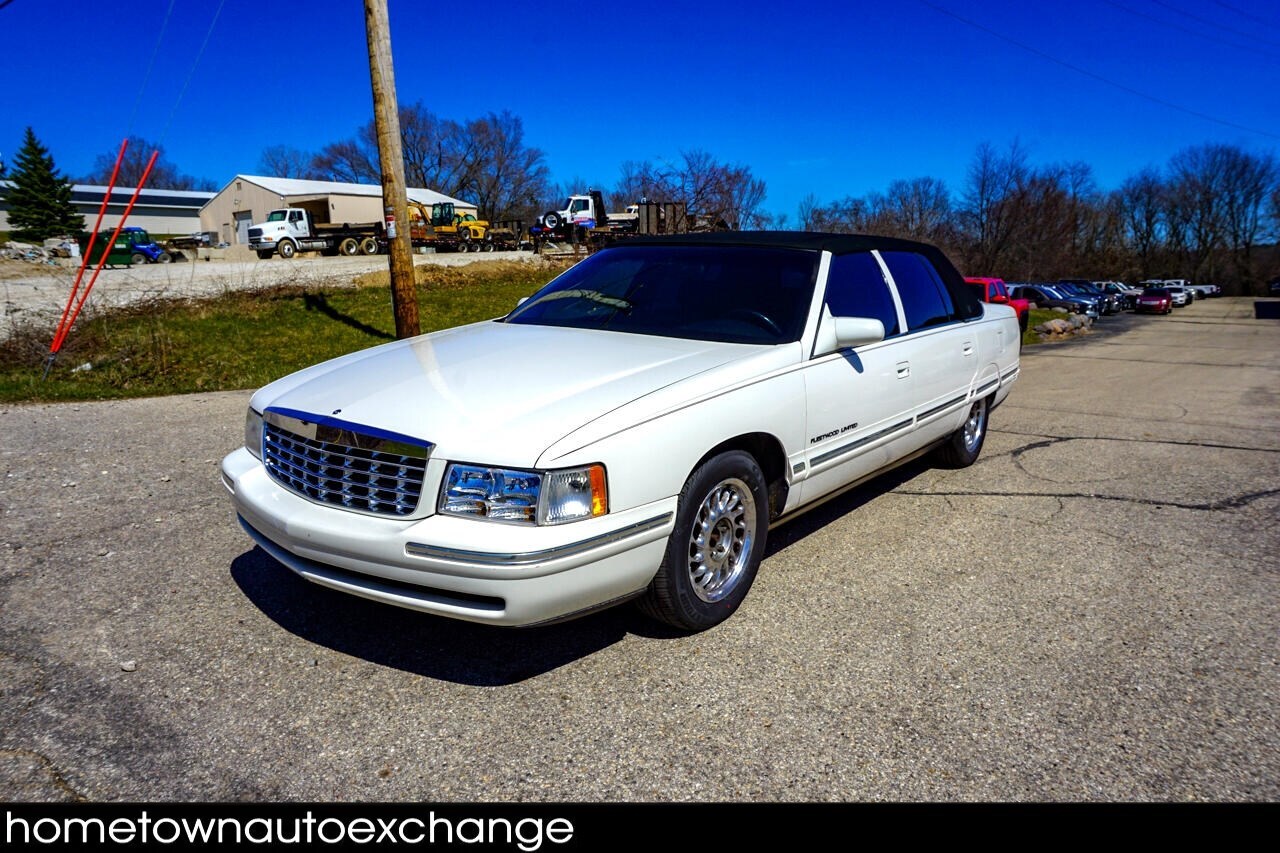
1242	13
192	72
1211	23
1161	101
1188	30
151	64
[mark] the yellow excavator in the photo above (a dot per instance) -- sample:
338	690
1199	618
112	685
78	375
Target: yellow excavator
442	227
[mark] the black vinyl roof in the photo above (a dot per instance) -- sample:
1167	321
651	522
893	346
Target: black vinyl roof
814	240
836	244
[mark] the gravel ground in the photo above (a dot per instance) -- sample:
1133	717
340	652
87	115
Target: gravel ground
38	292
1088	613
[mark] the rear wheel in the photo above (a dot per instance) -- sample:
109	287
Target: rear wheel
164	258
369	246
137	259
964	445
287	249
715	549
349	246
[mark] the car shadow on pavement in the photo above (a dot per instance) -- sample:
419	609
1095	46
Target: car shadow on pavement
482	655
431	646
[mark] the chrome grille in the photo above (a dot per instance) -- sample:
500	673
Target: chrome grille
336	463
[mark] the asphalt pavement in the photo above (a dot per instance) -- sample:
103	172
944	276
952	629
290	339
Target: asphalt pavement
1088	613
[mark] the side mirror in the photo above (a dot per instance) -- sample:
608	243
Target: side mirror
857	331
1000	299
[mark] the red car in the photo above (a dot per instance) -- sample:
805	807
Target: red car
993	290
1154	300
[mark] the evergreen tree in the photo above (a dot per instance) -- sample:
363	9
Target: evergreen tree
40	199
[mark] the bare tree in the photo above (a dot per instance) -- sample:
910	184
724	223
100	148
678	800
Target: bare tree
1142	209
988	211
717	194
164	175
283	161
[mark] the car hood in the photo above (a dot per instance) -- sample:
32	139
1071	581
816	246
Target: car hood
496	393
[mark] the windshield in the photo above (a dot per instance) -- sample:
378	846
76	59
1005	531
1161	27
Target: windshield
277	215
730	294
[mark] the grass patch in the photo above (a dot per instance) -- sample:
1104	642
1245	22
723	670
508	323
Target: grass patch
245	339
1035	318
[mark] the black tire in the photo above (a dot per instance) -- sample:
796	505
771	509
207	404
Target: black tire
703	580
349	247
287	249
137	259
964	445
369	246
487	246
164	258
265	254
551	220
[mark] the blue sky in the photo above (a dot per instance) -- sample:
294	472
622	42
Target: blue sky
833	99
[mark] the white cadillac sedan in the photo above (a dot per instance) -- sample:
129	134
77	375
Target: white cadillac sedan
630	431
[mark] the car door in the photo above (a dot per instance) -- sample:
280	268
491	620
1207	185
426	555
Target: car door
942	351
858	400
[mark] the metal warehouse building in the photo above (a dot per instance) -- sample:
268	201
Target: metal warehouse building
249	198
158	211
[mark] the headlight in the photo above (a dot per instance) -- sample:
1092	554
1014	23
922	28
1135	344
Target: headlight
253	433
528	497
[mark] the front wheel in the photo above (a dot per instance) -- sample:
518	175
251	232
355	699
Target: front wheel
265	254
964	445
715	549
287	249
164	258
137	259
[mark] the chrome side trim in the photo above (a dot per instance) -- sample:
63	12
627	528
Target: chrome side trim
485	558
945	405
990	386
854	445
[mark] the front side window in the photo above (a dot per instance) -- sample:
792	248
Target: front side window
856	288
730	294
925	300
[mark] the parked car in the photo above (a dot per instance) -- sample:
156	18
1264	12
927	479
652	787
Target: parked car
1105	302
1154	300
1128	295
631	430
993	290
1048	296
1179	295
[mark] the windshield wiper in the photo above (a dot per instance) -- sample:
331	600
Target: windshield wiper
590	296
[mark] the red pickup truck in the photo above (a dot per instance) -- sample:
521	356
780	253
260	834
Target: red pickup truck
993	290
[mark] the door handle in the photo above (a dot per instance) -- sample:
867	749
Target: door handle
904	369
968	348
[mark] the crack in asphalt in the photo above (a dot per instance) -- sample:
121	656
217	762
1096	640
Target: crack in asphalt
1053	439
1235	502
59	781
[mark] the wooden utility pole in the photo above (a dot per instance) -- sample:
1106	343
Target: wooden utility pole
386	118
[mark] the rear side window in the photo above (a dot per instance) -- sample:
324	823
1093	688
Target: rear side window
856	288
925	299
